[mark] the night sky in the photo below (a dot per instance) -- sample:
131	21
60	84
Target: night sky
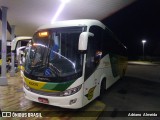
141	20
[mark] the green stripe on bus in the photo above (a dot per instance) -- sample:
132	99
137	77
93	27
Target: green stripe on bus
57	86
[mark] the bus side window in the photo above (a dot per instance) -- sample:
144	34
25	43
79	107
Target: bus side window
115	49
112	45
93	50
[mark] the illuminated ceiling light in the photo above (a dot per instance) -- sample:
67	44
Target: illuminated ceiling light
58	12
61	7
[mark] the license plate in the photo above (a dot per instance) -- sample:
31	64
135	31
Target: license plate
43	100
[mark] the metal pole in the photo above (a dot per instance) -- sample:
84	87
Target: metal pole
3	78
143	42
143	50
18	56
12	73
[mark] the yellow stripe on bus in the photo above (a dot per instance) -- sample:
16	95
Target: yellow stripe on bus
36	84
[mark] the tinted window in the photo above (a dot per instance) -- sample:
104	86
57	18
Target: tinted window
94	49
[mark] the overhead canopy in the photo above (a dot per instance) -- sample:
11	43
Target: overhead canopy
28	15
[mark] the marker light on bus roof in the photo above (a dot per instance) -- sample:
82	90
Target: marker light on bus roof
61	7
43	34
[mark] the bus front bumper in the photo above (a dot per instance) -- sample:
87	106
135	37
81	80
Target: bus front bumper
73	101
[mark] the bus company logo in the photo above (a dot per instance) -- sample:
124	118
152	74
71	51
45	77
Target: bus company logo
42	78
33	84
90	93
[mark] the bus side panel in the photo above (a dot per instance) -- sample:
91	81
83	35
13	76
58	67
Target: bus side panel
111	68
93	83
104	71
88	90
122	65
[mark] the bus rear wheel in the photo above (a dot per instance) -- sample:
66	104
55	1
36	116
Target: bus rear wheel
103	87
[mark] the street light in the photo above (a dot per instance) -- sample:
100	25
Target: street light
143	42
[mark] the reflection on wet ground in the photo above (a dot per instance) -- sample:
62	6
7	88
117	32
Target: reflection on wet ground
12	99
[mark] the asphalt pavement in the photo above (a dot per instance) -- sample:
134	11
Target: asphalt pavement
138	93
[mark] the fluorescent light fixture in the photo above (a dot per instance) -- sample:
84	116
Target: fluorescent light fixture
61	7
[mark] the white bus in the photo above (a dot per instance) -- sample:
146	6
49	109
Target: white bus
70	62
18	46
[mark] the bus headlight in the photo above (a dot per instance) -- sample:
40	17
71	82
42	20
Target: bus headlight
71	91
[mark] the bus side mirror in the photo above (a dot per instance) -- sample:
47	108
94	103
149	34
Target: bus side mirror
83	40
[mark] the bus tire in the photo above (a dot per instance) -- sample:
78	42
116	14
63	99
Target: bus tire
103	87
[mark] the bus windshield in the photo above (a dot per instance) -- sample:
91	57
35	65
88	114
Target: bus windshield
54	53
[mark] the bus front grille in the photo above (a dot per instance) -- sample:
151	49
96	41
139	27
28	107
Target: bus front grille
45	93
